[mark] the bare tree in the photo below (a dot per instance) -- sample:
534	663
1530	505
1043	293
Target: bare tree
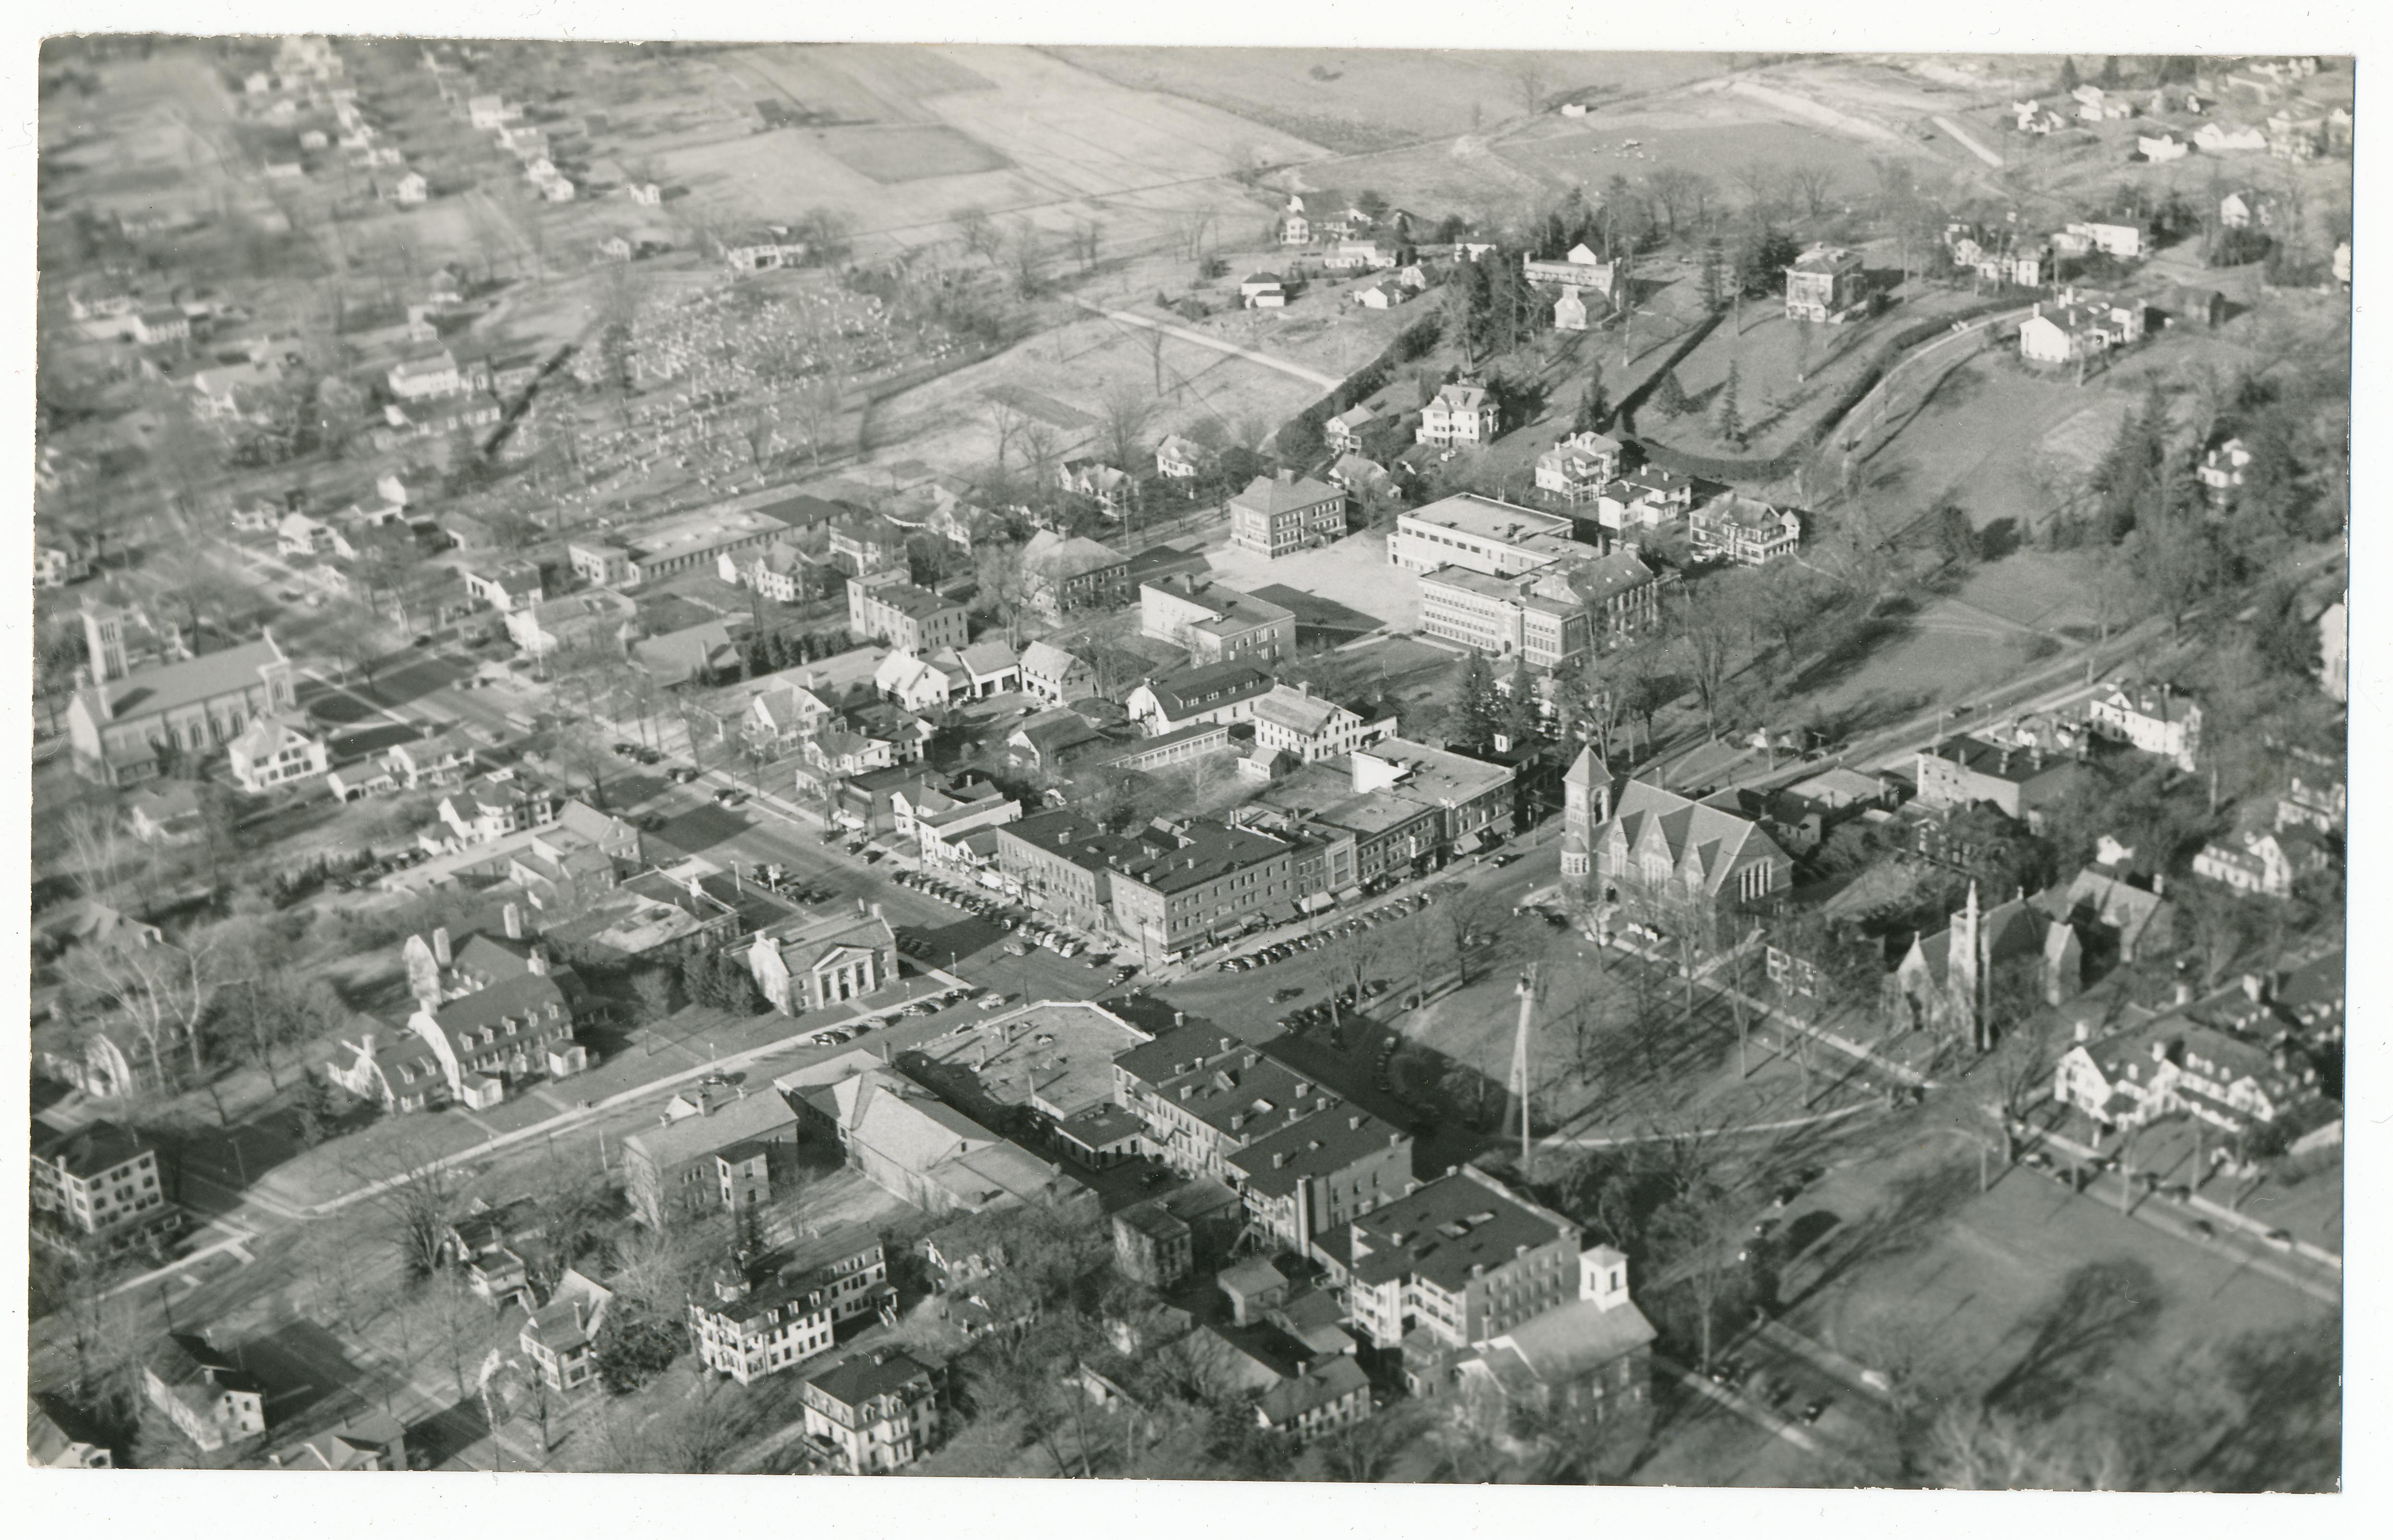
1529	77
1760	181
1122	416
414	1193
979	233
1815	184
1029	258
817	404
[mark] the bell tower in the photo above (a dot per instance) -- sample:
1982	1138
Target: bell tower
103	636
1587	807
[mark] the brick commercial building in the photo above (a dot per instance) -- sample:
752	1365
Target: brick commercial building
1320	1171
1277	514
1068	574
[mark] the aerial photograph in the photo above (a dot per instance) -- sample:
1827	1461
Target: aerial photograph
1154	763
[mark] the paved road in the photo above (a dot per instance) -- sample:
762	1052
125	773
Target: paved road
1314	376
1968	141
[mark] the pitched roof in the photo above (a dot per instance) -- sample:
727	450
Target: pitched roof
1192	690
1718	838
1051	554
882	1372
1326	1143
172	686
757	1115
1049	661
1440	1232
88	1151
1284	493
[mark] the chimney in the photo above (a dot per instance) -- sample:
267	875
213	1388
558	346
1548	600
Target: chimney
1225	1044
1279	1158
514	916
1304	1089
537	959
876	911
1180	1018
2184	992
441	945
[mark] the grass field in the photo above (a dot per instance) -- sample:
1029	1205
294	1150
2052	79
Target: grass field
1357	100
925	133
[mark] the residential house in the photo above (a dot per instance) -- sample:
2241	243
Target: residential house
276	749
2259	862
2163	147
1578	467
1570	312
369	1440
2219	138
1178	459
1459	414
2174	1065
936	817
2096	105
1050	741
1263	291
166	814
877	1411
1066	574
1112	490
1345	432
1824	284
2315	804
1365	482
1054	675
819	960
206	1394
701	654
50	1447
1316	1400
409	190
560	1339
495	806
712	1151
2152	717
2135	925
518	1029
55	566
1279	514
1743	530
434	375
121	719
2222	467
2125	241
438	760
506	586
1295	227
752	1327
100	1182
763	249
2080	327
866	543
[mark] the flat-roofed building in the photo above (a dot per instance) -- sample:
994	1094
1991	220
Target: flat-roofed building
1215	623
1479	533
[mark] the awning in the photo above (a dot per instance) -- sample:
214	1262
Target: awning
1314	903
1469	843
1277	914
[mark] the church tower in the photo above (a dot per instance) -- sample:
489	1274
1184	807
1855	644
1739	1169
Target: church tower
103	636
1961	981
1587	807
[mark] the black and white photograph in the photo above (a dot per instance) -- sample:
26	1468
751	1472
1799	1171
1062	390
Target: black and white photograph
1249	761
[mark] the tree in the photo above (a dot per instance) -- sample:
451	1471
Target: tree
1008	584
634	1346
1124	415
1732	415
1594	407
1529	77
979	234
1478	705
1029	253
2069	80
817	404
414	1193
1708	623
2110	72
653	987
1712	282
1675	190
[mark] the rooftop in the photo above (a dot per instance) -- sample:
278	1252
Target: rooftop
172	686
756	1115
1284	493
1326	1143
1486	518
1443	1231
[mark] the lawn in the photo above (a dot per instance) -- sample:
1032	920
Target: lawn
2031	1300
908	152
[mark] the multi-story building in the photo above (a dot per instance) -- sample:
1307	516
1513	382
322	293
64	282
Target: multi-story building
1177	887
1499	539
863	544
1458	1261
879	1410
1320	1171
101	1181
1203	1096
1743	530
1292	720
1059	860
885	607
2175	1065
1578	467
1405	806
2080	326
493	806
1460	413
709	1154
750	1328
1279	514
1534	615
1962	771
1066	574
121	719
1591	1355
1822	284
2153	718
1217	624
519	1029
1224	693
1054	675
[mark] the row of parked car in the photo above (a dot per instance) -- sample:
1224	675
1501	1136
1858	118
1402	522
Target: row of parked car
927	1005
1280	951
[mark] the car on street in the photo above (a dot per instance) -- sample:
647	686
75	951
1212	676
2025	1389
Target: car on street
682	774
831	1036
2278	1238
2203	1228
731	796
623	750
1812	1410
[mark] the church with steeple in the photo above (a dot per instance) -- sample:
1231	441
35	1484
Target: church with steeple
1945	982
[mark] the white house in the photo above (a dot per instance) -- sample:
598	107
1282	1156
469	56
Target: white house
2152	717
276	749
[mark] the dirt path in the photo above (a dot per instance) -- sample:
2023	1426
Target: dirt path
1327	382
1963	137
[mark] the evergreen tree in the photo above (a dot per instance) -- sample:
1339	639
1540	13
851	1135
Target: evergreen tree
1761	264
697	979
1593	408
2069	81
1732	416
1714	279
1670	397
2110	72
1479	709
1520	715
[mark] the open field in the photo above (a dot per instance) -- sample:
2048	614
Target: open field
2031	1300
923	134
1355	99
